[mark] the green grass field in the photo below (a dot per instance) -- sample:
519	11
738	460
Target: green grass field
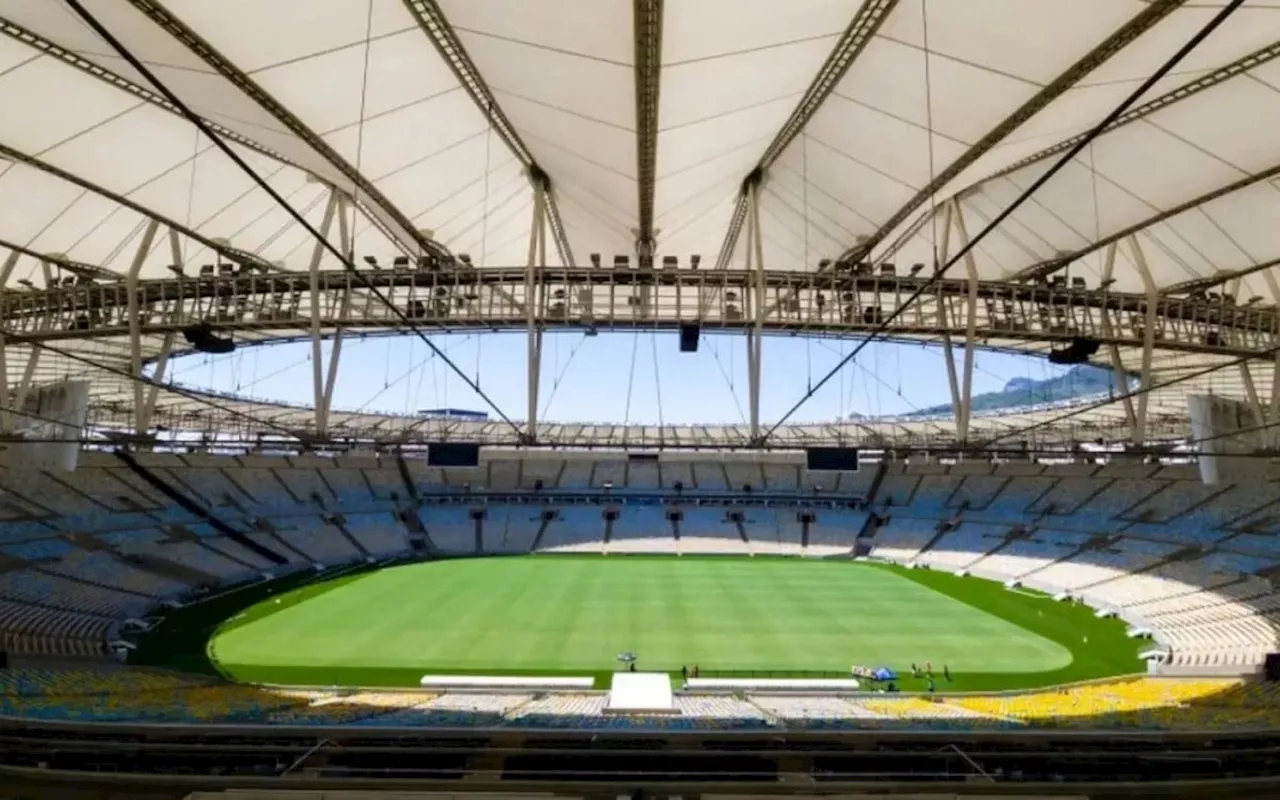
575	614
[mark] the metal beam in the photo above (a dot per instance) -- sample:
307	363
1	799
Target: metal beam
92	22
755	337
1120	378
5	416
1225	276
147	411
335	357
971	324
6	270
97	71
647	16
1220	75
533	332
335	349
1148	341
230	253
1273	407
377	206
1050	266
24	386
175	249
317	351
1143	21
436	26
1109	263
1011	314
948	350
60	260
1251	395
135	321
866	21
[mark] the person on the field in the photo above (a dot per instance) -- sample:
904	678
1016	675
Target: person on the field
946	673
930	685
684	672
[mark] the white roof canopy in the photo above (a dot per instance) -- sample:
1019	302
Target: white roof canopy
869	125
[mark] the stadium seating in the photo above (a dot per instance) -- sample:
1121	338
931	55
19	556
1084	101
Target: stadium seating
641	529
902	538
1190	563
575	529
136	695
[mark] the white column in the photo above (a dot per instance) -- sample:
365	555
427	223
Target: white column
755	339
1251	392
1148	341
135	323
153	391
537	253
948	349
1119	376
175	249
317	351
6	269
971	326
24	387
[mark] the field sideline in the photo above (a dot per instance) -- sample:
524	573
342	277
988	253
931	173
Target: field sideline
574	614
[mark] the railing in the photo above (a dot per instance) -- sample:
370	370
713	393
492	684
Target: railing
586	298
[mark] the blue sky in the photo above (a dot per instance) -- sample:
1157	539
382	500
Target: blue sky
613	377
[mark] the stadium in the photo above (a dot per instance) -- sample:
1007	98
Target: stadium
653	398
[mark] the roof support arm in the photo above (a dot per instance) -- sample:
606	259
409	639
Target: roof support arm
948	349
317	350
1273	407
175	249
971	324
755	337
648	74
335	352
866	21
1251	394
1143	21
1148	341
433	23
537	258
148	409
24	387
5	416
1119	373
6	269
1120	378
135	322
378	207
1050	266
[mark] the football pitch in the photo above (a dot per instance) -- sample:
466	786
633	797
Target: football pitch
573	615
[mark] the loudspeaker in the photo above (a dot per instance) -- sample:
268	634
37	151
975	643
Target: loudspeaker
689	338
448	454
202	338
1271	668
1078	352
4	660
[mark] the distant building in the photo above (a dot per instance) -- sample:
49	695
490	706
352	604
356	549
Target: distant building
454	413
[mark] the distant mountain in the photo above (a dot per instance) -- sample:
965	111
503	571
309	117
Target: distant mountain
1080	380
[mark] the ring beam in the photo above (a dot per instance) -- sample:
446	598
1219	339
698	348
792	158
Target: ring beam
624	299
258	308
